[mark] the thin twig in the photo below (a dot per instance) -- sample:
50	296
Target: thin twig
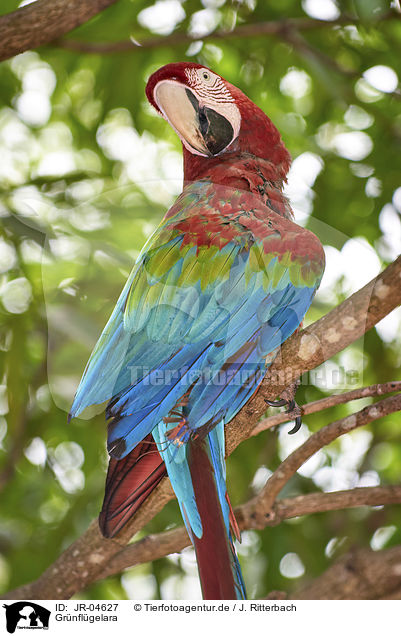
258	29
328	402
265	499
312	53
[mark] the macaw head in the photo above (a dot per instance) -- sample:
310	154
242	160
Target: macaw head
212	117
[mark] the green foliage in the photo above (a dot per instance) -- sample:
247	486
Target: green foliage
87	171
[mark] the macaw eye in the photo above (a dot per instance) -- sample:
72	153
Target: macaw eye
206	77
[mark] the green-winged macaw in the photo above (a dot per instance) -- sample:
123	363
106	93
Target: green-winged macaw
223	281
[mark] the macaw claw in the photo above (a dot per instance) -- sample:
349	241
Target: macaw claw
277	403
297	425
296	410
292	406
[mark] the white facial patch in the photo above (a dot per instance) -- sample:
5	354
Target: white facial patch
208	85
203	112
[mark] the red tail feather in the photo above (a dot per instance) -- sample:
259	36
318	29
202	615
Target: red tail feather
129	482
213	548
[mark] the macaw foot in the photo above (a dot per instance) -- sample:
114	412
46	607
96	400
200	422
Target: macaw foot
181	433
288	400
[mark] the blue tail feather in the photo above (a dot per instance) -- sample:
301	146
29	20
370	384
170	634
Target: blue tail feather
177	460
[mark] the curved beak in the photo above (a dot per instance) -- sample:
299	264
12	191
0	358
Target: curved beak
202	128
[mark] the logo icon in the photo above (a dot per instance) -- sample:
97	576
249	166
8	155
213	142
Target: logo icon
26	615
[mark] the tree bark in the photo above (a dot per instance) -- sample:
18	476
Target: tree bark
43	21
157	546
309	348
360	574
264	501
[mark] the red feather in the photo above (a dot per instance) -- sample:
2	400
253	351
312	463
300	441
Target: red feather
258	135
129	482
256	163
213	548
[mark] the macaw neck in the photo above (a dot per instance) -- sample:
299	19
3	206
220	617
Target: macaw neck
258	140
274	168
244	171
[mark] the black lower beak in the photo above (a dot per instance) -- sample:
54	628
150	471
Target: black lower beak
215	129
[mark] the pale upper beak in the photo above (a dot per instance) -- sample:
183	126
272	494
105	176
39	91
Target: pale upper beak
204	128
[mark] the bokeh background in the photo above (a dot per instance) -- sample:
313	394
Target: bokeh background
86	172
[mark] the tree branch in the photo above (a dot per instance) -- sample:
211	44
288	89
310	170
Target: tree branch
89	555
265	510
262	504
43	21
328	402
258	29
157	546
309	348
360	574
306	50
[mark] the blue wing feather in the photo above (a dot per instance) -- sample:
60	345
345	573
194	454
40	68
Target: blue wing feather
183	334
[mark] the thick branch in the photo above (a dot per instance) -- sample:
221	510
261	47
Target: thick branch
265	509
85	559
257	513
157	546
43	21
360	574
328	336
258	29
83	562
